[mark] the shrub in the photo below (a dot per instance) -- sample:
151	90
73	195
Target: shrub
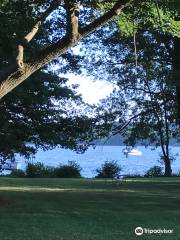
176	174
39	170
155	171
71	170
17	173
109	170
34	169
49	171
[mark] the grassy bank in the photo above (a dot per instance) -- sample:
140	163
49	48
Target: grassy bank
81	209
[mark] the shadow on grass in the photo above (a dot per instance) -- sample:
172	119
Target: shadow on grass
85	209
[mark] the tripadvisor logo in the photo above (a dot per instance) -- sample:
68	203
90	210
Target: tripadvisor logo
139	231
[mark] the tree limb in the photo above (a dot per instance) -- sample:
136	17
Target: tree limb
72	9
32	33
114	11
57	49
120	128
13	76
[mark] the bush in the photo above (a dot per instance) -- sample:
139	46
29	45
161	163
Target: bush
155	171
65	171
34	170
176	174
71	170
109	170
49	171
17	173
39	170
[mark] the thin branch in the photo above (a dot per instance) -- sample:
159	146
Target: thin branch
160	61
33	32
141	89
121	128
114	11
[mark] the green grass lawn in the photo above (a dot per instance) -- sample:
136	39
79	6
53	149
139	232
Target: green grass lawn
82	209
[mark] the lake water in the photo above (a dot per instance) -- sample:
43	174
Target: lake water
94	158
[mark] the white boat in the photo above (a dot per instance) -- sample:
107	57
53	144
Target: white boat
131	151
135	152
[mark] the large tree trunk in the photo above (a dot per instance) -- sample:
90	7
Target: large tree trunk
168	170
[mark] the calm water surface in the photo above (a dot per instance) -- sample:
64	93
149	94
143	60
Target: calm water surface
94	158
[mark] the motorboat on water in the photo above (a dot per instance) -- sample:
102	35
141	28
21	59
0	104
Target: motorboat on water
131	151
135	152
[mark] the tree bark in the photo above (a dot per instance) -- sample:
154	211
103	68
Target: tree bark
167	163
12	76
20	56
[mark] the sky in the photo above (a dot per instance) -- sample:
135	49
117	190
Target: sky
92	91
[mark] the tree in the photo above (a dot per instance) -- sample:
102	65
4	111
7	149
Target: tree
34	115
56	27
134	39
141	109
37	115
42	112
153	116
13	74
141	63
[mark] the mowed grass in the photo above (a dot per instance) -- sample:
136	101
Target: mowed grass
83	209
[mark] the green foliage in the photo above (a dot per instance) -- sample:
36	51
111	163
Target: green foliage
17	173
109	170
41	112
34	170
71	170
164	20
155	171
33	120
128	27
143	106
157	15
39	170
105	6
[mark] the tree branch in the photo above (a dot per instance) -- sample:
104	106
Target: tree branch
13	76
114	11
72	9
57	49
32	33
119	129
